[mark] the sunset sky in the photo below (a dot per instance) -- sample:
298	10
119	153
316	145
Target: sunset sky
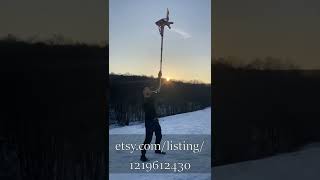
79	20
278	28
246	29
134	40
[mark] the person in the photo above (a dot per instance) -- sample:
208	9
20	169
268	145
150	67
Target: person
151	120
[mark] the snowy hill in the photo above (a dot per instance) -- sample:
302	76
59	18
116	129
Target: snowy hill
196	123
299	165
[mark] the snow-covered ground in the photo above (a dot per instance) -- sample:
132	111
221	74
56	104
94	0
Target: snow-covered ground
300	165
193	123
197	122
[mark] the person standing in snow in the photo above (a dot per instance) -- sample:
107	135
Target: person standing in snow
151	119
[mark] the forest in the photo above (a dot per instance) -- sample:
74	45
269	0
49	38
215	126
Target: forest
53	121
262	108
126	100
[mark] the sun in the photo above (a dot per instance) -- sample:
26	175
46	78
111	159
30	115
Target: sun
168	79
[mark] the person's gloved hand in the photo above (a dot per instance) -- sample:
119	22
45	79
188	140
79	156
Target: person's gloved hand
160	74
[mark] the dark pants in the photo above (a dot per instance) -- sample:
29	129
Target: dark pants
150	128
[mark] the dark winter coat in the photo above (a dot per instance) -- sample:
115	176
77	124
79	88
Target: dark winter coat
149	107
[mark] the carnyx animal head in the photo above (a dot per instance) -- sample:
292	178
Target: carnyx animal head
165	21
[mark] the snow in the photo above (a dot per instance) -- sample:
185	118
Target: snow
195	123
303	164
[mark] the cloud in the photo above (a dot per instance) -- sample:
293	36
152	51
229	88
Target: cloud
182	33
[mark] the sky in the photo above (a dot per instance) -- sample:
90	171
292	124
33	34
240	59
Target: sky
134	39
79	20
279	28
246	28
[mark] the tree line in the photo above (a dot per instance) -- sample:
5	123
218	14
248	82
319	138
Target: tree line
262	108
126	99
52	116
